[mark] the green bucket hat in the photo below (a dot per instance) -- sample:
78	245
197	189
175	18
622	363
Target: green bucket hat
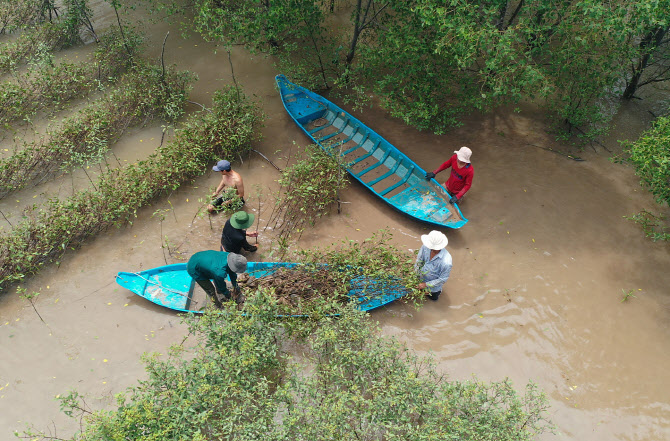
242	220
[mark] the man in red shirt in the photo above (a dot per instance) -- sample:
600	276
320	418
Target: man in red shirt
460	180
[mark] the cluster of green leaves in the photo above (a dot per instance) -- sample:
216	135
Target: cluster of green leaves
252	377
49	229
49	85
17	13
430	62
654	226
307	189
650	155
143	93
453	57
374	268
47	36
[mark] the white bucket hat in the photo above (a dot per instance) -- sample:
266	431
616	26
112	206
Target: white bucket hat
463	154
434	240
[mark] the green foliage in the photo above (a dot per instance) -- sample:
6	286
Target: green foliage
650	156
52	35
307	189
432	62
46	85
50	229
374	258
654	226
17	13
141	94
253	377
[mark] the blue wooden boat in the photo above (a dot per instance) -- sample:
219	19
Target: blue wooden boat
171	286
369	158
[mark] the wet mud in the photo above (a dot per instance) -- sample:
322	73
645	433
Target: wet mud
535	294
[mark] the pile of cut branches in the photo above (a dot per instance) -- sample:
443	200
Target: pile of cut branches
366	274
293	286
308	189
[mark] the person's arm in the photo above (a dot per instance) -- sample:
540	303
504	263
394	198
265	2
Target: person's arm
233	278
219	188
445	165
247	246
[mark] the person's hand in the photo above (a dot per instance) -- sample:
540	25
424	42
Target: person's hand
252	233
453	200
422	285
429	176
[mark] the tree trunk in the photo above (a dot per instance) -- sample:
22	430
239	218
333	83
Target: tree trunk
501	17
357	31
648	44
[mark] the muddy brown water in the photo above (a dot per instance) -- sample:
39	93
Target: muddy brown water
535	293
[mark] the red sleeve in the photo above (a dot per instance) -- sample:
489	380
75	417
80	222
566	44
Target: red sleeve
445	165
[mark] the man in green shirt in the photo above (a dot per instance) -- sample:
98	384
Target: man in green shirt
208	266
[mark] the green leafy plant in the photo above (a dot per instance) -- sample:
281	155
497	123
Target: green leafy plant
251	377
143	93
16	13
650	155
61	30
57	225
654	226
627	295
307	189
52	87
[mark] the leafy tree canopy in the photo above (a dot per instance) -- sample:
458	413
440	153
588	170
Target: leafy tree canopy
253	377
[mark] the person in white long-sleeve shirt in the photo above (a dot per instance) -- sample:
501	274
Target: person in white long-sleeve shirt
433	263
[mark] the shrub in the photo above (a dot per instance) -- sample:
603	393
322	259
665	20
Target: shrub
142	94
47	85
253	377
57	225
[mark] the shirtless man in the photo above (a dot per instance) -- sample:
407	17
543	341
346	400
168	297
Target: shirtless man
229	179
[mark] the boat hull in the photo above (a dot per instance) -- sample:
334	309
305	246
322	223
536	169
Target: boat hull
170	286
369	158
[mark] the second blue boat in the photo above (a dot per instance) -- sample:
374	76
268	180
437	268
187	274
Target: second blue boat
369	158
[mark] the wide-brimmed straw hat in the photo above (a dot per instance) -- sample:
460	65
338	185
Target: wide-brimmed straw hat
463	154
237	263
242	220
435	240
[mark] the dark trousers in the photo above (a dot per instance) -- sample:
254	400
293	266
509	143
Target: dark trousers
209	288
434	295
